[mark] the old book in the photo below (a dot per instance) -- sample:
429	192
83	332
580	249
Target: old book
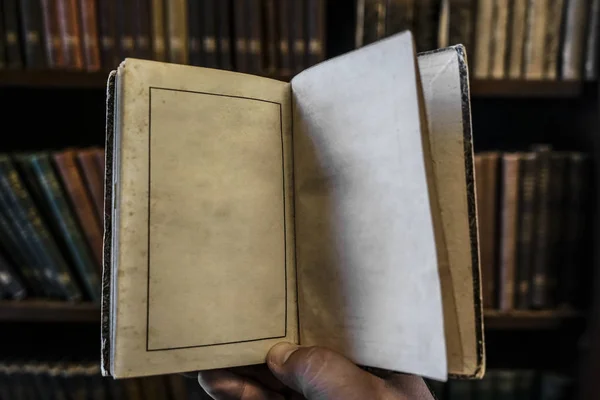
483	41
80	201
89	33
573	45
509	214
317	26
142	29
591	49
554	386
209	34
499	39
177	30
484	388
32	29
526	385
254	34
556	205
240	27
271	13
461	21
10	282
177	389
505	384
224	34
370	21
159	42
285	34
553	38
525	241
126	28
518	29
426	24
107	28
93	179
2	43
70	31
14	58
535	39
298	36
196	13
290	210
400	16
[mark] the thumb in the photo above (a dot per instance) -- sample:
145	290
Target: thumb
321	374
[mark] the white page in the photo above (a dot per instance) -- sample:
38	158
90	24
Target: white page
366	251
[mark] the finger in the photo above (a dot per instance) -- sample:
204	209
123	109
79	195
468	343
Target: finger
225	385
319	373
261	374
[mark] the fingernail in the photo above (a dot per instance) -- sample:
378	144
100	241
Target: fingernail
280	353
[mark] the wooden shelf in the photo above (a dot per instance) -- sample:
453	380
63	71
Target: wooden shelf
532	320
48	311
525	89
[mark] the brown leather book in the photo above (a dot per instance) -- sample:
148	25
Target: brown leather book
68	23
509	212
107	21
93	179
316	31
89	25
52	36
177	31
159	48
80	201
99	157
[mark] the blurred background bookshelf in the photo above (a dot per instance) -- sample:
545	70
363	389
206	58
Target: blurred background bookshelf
534	86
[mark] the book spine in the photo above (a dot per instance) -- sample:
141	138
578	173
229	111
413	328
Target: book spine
143	43
177	387
285	34
89	25
32	28
177	31
459	389
461	24
481	191
426	17
400	16
536	39
68	23
77	247
506	384
159	47
526	227
224	34
100	164
107	23
485	15
298	36
209	34
540	276
556	224
3	63
555	16
10	281
591	53
483	389
517	33
508	230
525	385
488	265
241	40
93	180
14	58
371	24
271	36
316	31
57	268
125	29
82	204
195	30
255	50
573	42
499	39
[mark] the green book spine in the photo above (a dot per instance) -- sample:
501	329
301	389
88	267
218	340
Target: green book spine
506	384
10	281
47	247
52	191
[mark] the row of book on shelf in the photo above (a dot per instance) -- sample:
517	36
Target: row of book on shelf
534	39
507	384
51	215
256	36
532	222
78	381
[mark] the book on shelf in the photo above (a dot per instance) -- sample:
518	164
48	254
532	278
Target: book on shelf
203	179
536	225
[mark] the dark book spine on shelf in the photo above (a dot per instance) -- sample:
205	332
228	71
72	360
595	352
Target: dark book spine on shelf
499	39
159	42
241	39
209	34
509	212
506	384
371	16
426	27
100	163
483	389
177	387
89	31
570	269
525	243
93	179
518	28
107	21
10	281
535	40
68	24
573	40
271	61
32	29
224	34
285	34
525	385
483	41
14	59
177	31
316	31
555	386
81	202
125	29
254	26
196	16
540	274
53	38
558	164
460	389
591	52
553	32
142	34
42	168
298	36
400	16
2	42
58	270
461	24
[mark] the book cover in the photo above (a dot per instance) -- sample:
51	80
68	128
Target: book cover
32	28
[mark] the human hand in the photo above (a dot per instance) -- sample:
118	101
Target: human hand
313	372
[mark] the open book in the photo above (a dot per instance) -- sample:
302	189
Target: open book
336	210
